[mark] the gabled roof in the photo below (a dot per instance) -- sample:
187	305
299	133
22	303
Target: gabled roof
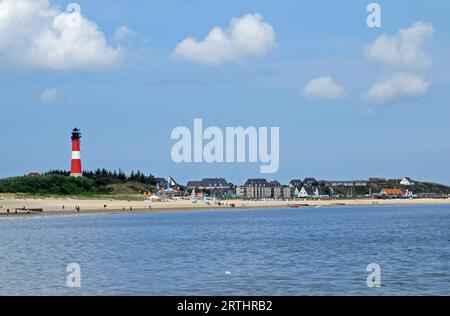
309	180
209	182
214	182
393	192
296	182
309	189
161	180
260	182
275	183
192	184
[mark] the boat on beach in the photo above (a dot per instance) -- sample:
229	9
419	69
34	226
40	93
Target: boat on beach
298	205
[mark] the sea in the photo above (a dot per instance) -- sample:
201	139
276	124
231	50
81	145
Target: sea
305	251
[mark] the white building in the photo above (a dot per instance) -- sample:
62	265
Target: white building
407	181
306	192
262	189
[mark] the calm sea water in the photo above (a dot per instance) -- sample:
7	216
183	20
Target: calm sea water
323	251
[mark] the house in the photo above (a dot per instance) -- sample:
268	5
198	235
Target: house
407	181
275	189
430	195
306	191
275	183
310	182
353	183
161	183
392	193
295	183
258	182
193	185
262	189
279	191
255	189
209	183
214	186
312	192
287	192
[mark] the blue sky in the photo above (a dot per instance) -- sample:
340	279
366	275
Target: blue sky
128	109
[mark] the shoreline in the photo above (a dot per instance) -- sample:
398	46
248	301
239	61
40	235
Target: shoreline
68	206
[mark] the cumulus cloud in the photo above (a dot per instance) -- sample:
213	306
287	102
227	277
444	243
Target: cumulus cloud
123	32
404	49
324	88
33	34
246	37
402	86
405	59
48	96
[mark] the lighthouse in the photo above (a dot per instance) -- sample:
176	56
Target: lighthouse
75	170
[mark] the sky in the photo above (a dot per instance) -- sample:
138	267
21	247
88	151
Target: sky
351	102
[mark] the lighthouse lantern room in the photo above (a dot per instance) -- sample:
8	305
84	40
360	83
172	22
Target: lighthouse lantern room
76	170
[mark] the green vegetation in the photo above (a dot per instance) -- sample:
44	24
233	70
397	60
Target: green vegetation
418	188
93	183
49	184
103	177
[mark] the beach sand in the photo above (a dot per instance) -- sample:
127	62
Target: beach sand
68	205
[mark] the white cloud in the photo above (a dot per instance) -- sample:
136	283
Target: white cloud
123	33
33	34
402	86
324	88
404	49
48	96
406	60
246	37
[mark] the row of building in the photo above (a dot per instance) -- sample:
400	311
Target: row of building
260	188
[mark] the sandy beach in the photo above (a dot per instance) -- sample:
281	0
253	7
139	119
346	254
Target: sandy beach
68	205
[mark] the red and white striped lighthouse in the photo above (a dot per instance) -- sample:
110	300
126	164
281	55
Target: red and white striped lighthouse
75	170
